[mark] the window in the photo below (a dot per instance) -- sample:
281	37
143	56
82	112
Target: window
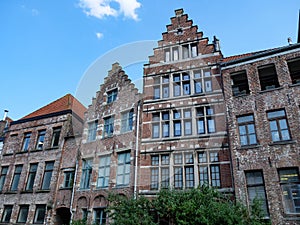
177	123
294	68
68	179
240	84
16	178
290	186
127	121
189	50
247	130
256	189
84	214
26	142
39	216
184	170
31	176
104	172
181	84
99	216
40	140
202	81
123	173
6	213
165	124
3	175
160	174
55	137
167	55
175	54
278	125
268	77
47	175
23	213
86	174
112	95
194	50
209	168
92	129
205	120
187	122
108	126
155	125
185	51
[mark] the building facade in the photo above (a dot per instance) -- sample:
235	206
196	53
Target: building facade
109	146
38	165
184	140
262	95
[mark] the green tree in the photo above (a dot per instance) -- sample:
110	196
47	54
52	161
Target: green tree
201	206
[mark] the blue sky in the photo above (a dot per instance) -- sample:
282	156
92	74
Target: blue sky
47	47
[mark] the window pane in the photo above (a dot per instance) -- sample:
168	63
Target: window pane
275	114
208	86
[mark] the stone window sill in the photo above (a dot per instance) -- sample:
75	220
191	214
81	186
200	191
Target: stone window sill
282	142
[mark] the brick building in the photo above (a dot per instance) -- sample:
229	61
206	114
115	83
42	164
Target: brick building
262	95
184	141
108	151
4	124
38	164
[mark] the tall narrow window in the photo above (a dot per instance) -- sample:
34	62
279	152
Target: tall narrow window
165	86
203	175
186	84
247	130
26	142
55	137
175	54
23	213
6	215
294	68
167	55
165	124
165	173
155	125
104	172
31	176
3	175
290	186
108	126
278	125
187	122
39	215
185	51
47	175
86	174
177	123
194	50
68	179
40	140
189	170
16	177
154	178
92	130
123	173
268	77
215	175
256	189
127	121
99	216
112	95
176	85
205	120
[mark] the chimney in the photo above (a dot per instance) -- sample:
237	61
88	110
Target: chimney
5	114
290	41
178	12
216	43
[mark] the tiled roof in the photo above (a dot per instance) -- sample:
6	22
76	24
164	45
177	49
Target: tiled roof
67	102
235	57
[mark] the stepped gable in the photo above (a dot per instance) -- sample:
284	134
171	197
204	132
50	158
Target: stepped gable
67	102
180	30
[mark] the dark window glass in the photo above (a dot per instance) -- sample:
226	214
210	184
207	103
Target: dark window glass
40	140
16	177
39	215
31	176
47	175
55	137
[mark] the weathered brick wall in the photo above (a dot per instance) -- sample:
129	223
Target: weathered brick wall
266	156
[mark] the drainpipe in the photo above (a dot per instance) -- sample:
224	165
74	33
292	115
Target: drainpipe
73	190
136	150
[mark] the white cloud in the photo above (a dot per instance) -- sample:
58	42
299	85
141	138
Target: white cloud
128	7
102	8
99	35
35	12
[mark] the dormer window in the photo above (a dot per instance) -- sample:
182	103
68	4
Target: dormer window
294	68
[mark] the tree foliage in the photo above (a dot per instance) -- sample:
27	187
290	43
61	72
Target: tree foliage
202	206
